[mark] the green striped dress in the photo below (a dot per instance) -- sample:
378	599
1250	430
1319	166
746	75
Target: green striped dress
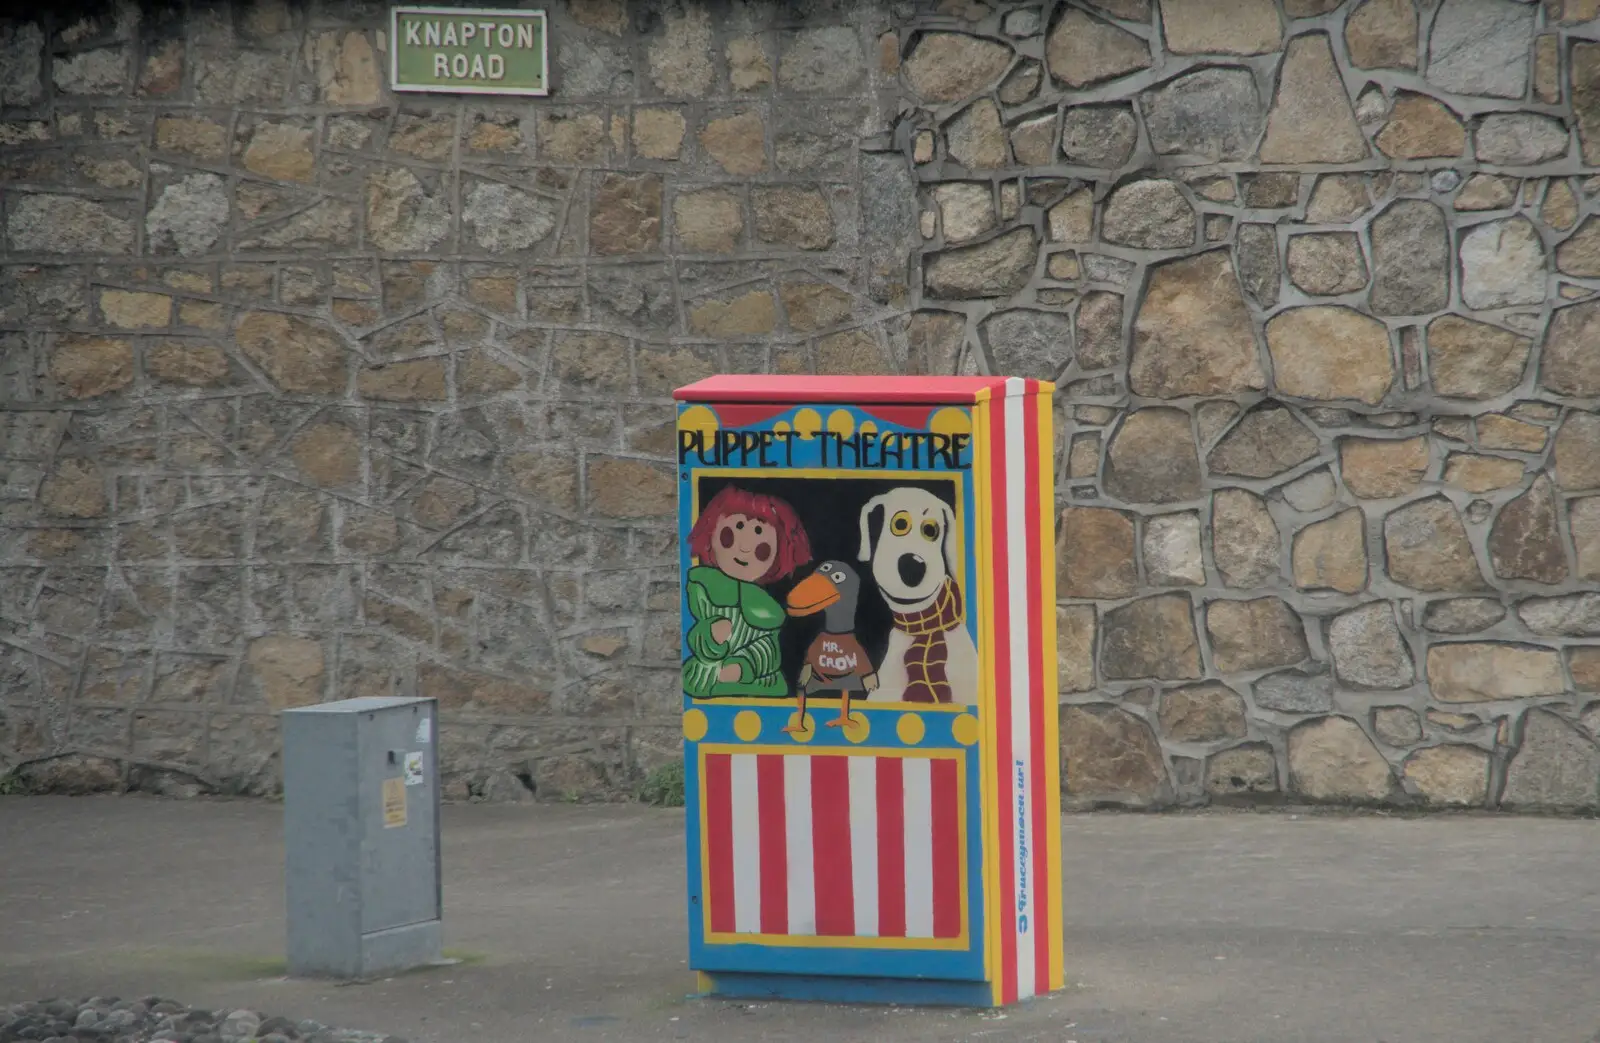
752	646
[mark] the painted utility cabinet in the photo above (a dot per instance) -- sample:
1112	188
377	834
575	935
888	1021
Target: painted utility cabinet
869	688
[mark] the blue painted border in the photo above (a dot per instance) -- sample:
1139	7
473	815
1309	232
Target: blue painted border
925	992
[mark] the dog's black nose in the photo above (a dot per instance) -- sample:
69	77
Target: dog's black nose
912	569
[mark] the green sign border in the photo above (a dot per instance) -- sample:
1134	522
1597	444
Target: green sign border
429	88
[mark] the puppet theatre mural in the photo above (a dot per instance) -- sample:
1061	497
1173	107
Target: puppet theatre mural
869	691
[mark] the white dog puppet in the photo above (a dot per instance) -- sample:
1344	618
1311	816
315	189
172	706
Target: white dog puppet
906	535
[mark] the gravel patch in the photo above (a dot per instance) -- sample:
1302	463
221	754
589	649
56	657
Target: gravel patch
155	1020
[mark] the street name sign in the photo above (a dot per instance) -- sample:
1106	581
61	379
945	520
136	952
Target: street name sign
469	50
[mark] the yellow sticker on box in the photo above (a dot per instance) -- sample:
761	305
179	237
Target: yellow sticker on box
394	803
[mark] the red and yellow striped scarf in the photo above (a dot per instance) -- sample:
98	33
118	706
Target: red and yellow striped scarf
926	658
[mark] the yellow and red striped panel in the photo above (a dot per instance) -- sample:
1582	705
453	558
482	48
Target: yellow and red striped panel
1016	488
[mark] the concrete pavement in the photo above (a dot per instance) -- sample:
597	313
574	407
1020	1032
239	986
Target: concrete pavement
1216	927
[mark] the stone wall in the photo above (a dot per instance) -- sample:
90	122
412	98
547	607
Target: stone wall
1317	279
314	391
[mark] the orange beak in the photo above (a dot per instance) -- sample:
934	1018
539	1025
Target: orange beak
813	594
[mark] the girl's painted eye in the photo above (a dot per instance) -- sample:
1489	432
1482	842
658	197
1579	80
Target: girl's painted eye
739	526
763	551
725	537
757	530
930	529
900	524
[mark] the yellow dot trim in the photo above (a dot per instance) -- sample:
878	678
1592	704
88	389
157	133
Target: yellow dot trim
807	423
808	730
747	725
697	418
910	728
965	729
950	421
857	728
695	725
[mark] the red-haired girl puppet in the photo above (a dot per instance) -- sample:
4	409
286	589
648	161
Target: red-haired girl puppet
742	540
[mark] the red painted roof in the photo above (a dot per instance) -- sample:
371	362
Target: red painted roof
906	390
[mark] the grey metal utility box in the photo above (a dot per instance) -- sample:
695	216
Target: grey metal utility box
361	837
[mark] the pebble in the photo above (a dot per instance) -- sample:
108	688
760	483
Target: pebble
241	1024
153	1019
